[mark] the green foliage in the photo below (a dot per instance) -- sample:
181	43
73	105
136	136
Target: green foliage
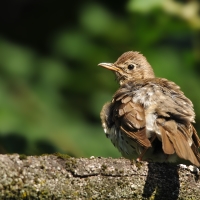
53	99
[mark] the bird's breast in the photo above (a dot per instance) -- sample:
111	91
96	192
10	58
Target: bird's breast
126	146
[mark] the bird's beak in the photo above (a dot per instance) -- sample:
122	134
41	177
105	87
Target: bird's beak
109	66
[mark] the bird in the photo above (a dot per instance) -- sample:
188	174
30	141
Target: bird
149	118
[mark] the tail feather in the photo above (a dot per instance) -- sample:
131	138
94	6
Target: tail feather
178	137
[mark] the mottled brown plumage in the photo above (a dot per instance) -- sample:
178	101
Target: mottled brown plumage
149	118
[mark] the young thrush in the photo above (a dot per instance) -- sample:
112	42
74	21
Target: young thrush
149	118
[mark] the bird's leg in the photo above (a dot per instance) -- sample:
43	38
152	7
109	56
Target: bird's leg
167	156
145	150
141	155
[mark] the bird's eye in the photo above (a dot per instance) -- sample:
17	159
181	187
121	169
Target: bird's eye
131	66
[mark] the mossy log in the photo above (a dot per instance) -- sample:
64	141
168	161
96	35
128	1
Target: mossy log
62	177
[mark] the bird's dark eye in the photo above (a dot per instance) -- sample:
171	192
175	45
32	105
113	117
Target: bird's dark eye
131	66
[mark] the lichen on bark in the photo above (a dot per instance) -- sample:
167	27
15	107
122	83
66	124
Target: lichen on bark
61	177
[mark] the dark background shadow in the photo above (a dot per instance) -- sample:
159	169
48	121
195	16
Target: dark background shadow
51	89
162	185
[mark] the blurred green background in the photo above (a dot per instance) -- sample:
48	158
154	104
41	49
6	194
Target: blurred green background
51	89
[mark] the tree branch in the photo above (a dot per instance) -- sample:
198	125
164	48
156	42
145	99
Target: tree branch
62	177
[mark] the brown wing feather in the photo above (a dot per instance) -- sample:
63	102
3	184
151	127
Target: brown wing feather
195	146
195	136
130	118
181	140
167	145
139	136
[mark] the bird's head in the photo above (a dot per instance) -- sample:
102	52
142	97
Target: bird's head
130	65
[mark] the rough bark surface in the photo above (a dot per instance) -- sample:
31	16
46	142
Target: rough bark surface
62	177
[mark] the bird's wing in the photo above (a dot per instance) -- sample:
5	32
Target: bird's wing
174	116
179	138
129	117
